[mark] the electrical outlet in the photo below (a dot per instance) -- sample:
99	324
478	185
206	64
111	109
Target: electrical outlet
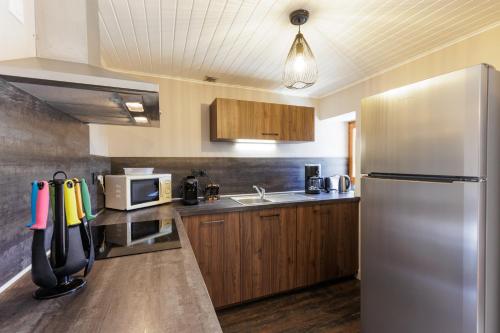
97	177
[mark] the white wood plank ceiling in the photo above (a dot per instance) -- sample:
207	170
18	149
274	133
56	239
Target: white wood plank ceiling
245	42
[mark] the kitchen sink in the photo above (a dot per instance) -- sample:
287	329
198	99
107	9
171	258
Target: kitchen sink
248	201
287	197
271	198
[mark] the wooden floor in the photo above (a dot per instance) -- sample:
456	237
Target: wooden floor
333	307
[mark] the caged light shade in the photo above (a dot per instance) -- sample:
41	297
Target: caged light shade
300	66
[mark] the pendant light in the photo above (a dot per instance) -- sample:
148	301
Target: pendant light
300	66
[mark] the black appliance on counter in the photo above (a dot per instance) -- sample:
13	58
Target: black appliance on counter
190	191
313	180
122	239
212	192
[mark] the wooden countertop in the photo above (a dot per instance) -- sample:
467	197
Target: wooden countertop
152	292
226	204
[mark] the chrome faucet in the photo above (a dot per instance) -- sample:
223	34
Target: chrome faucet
261	191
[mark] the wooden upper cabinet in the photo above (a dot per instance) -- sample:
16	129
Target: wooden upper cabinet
298	123
232	119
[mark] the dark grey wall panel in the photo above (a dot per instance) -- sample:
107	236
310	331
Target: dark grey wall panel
35	141
236	175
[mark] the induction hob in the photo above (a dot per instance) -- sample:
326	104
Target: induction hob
123	239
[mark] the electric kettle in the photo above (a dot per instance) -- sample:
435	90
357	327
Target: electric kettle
344	184
340	183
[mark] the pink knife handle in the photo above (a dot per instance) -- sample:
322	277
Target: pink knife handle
42	207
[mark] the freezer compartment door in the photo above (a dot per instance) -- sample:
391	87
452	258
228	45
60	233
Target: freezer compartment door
421	263
433	127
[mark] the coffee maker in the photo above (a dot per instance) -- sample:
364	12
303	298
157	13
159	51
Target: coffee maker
313	180
190	191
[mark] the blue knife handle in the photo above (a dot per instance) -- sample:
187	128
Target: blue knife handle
34	195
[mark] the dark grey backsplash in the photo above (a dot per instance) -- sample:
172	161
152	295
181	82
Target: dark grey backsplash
235	175
35	141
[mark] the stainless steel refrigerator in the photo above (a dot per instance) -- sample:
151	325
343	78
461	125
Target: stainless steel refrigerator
430	160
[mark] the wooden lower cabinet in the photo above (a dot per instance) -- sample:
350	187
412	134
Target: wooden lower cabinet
268	251
215	240
252	254
327	242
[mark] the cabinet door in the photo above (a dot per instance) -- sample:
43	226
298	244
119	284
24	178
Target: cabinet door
340	246
225	114
268	251
327	242
297	123
232	119
309	245
215	240
248	124
270	121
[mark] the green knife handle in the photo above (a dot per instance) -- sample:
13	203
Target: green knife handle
86	200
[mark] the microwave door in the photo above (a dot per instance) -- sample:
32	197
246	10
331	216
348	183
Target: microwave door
144	191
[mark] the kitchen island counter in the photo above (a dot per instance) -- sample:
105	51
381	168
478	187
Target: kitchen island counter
153	292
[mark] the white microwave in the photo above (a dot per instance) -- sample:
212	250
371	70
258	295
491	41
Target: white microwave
127	192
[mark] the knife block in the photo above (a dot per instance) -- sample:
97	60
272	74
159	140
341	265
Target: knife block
54	277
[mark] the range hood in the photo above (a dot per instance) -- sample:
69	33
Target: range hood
85	92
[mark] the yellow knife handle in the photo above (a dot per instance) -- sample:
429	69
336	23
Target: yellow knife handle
70	203
78	195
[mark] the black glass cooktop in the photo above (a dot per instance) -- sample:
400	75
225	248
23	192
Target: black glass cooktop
123	239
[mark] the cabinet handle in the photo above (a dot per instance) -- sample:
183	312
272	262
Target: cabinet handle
273	134
213	222
270	215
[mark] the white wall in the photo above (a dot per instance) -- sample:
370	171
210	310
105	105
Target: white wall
68	30
184	130
18	37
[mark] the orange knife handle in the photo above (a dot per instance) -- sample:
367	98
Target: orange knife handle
78	195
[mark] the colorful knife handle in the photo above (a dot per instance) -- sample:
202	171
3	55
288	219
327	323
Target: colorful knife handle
52	192
70	203
34	194
78	194
42	206
86	200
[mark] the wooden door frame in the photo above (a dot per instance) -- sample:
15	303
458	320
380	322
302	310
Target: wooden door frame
351	141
